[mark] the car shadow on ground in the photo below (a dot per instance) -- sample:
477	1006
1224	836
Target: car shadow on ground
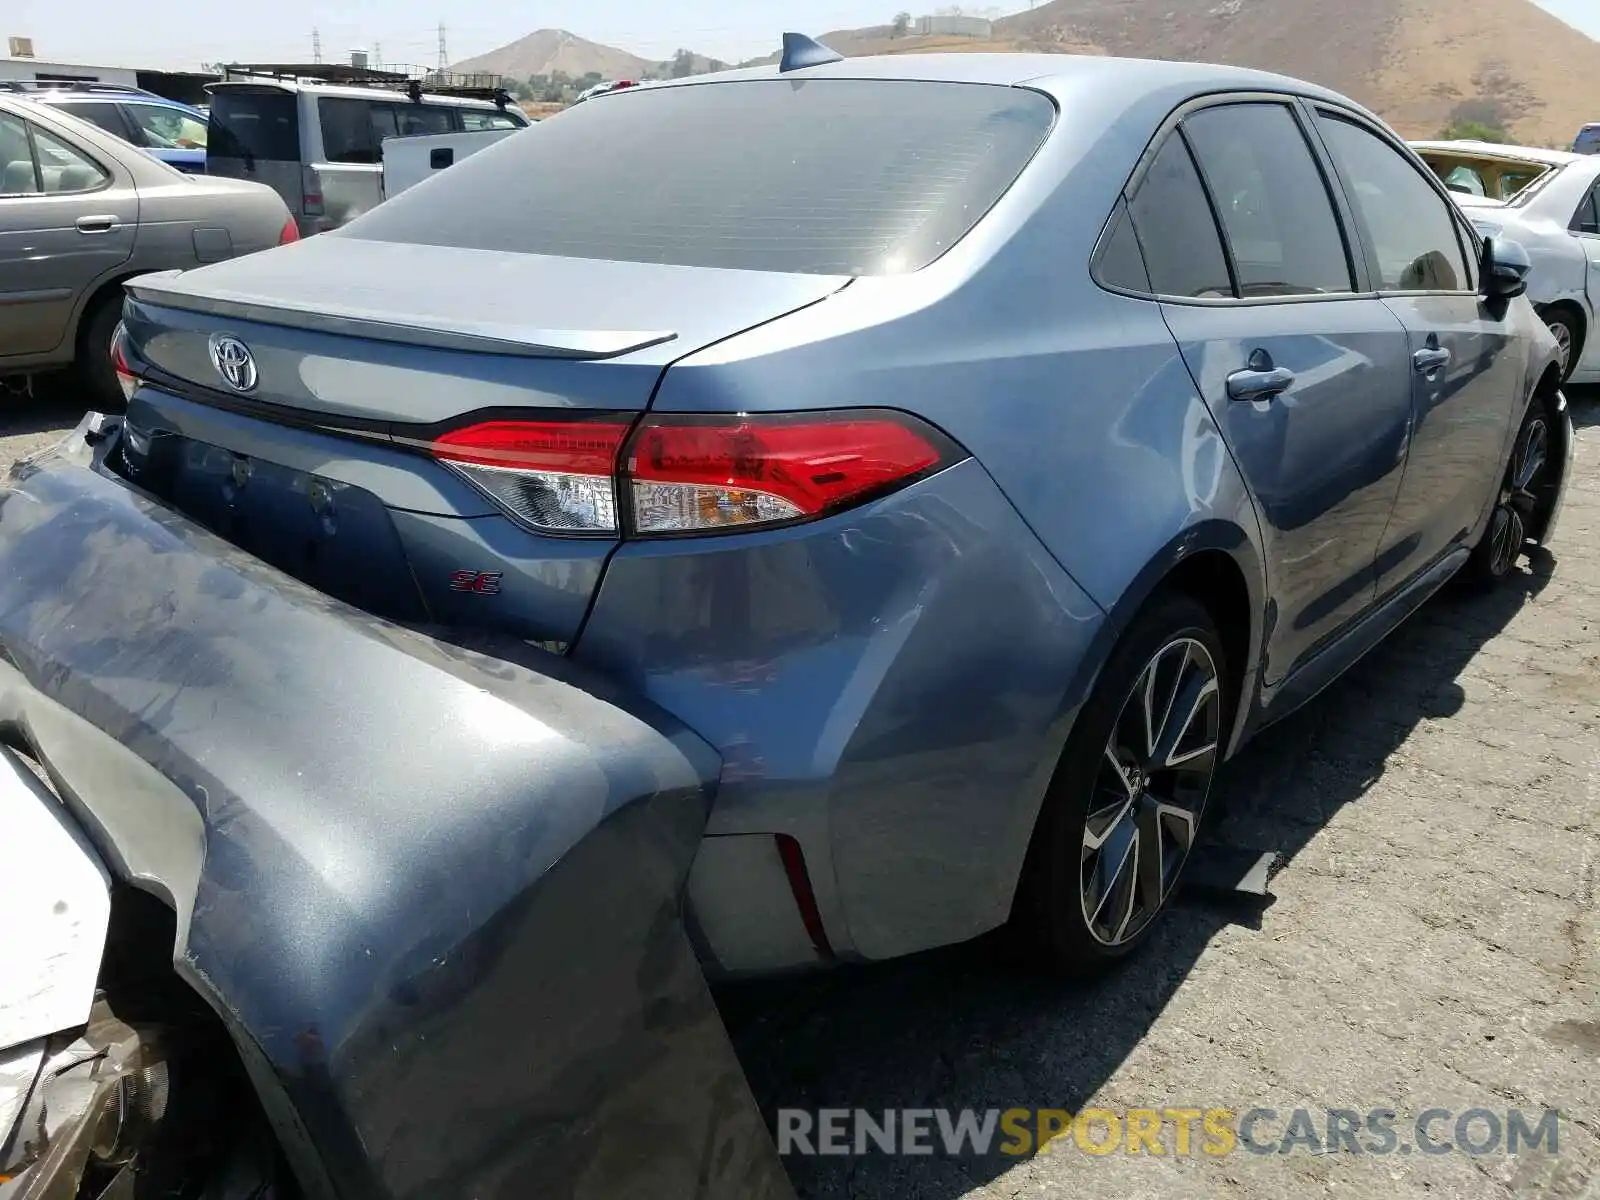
55	403
969	1028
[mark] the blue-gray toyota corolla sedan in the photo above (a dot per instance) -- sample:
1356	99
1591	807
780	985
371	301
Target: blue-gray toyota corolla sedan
975	450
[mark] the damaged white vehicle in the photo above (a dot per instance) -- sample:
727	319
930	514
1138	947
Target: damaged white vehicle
1549	201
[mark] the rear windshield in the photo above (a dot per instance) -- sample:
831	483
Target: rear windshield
822	176
1588	140
254	124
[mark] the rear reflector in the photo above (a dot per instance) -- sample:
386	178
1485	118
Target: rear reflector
552	475
805	899
690	474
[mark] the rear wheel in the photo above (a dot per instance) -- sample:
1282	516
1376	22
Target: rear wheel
95	372
1569	339
1516	507
1127	801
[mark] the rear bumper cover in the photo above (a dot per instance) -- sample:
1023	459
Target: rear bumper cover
435	896
891	687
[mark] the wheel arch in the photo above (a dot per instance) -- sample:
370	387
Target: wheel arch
1570	308
1217	563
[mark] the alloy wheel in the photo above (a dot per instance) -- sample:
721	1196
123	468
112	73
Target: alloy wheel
1518	498
1563	336
1150	791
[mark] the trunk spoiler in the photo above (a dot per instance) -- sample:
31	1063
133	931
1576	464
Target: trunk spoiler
507	336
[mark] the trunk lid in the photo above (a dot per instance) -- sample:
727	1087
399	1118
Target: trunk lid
362	350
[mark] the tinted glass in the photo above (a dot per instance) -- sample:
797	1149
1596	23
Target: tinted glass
1587	219
351	129
104	115
64	168
1171	215
17	177
1271	199
414	119
1411	230
254	124
166	128
1121	265
823	176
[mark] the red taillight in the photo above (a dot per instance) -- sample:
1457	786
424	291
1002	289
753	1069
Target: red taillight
310	191
689	474
289	233
555	475
126	379
705	474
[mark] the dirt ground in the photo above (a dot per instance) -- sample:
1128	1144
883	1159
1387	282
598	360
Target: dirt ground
1431	942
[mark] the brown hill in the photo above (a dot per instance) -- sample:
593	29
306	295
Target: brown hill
1420	63
546	51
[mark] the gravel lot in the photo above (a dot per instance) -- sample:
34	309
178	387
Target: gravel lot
1432	941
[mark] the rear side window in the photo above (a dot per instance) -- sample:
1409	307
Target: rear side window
821	176
262	125
474	120
1587	218
1271	199
96	112
1171	215
353	130
1410	226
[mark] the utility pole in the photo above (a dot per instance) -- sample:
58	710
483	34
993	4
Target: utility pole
316	45
377	56
443	56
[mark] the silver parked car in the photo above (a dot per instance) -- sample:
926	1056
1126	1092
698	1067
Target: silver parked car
80	212
1549	201
321	145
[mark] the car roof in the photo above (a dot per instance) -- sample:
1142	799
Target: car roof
1058	73
66	97
1550	158
256	82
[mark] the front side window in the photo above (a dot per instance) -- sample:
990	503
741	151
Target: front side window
815	176
167	128
1271	199
18	174
1172	217
64	169
1408	228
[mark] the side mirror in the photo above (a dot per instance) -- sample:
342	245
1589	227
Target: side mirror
1506	267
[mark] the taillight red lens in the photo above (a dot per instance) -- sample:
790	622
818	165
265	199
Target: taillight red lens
707	474
126	379
553	475
289	233
689	474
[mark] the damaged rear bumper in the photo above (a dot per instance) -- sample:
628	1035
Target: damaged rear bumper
434	895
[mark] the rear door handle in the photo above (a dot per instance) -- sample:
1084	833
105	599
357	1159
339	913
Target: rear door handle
1260	384
97	224
1431	359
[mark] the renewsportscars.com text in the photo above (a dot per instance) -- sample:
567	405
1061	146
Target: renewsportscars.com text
1020	1132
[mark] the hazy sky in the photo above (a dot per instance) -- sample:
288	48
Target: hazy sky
179	33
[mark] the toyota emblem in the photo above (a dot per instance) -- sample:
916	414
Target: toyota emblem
233	361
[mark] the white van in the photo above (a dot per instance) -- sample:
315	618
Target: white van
320	145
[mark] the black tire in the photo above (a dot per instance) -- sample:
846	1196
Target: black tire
1064	877
1516	509
1567	330
96	375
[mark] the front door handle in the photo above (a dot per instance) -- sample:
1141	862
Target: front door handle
1431	359
1260	380
97	224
